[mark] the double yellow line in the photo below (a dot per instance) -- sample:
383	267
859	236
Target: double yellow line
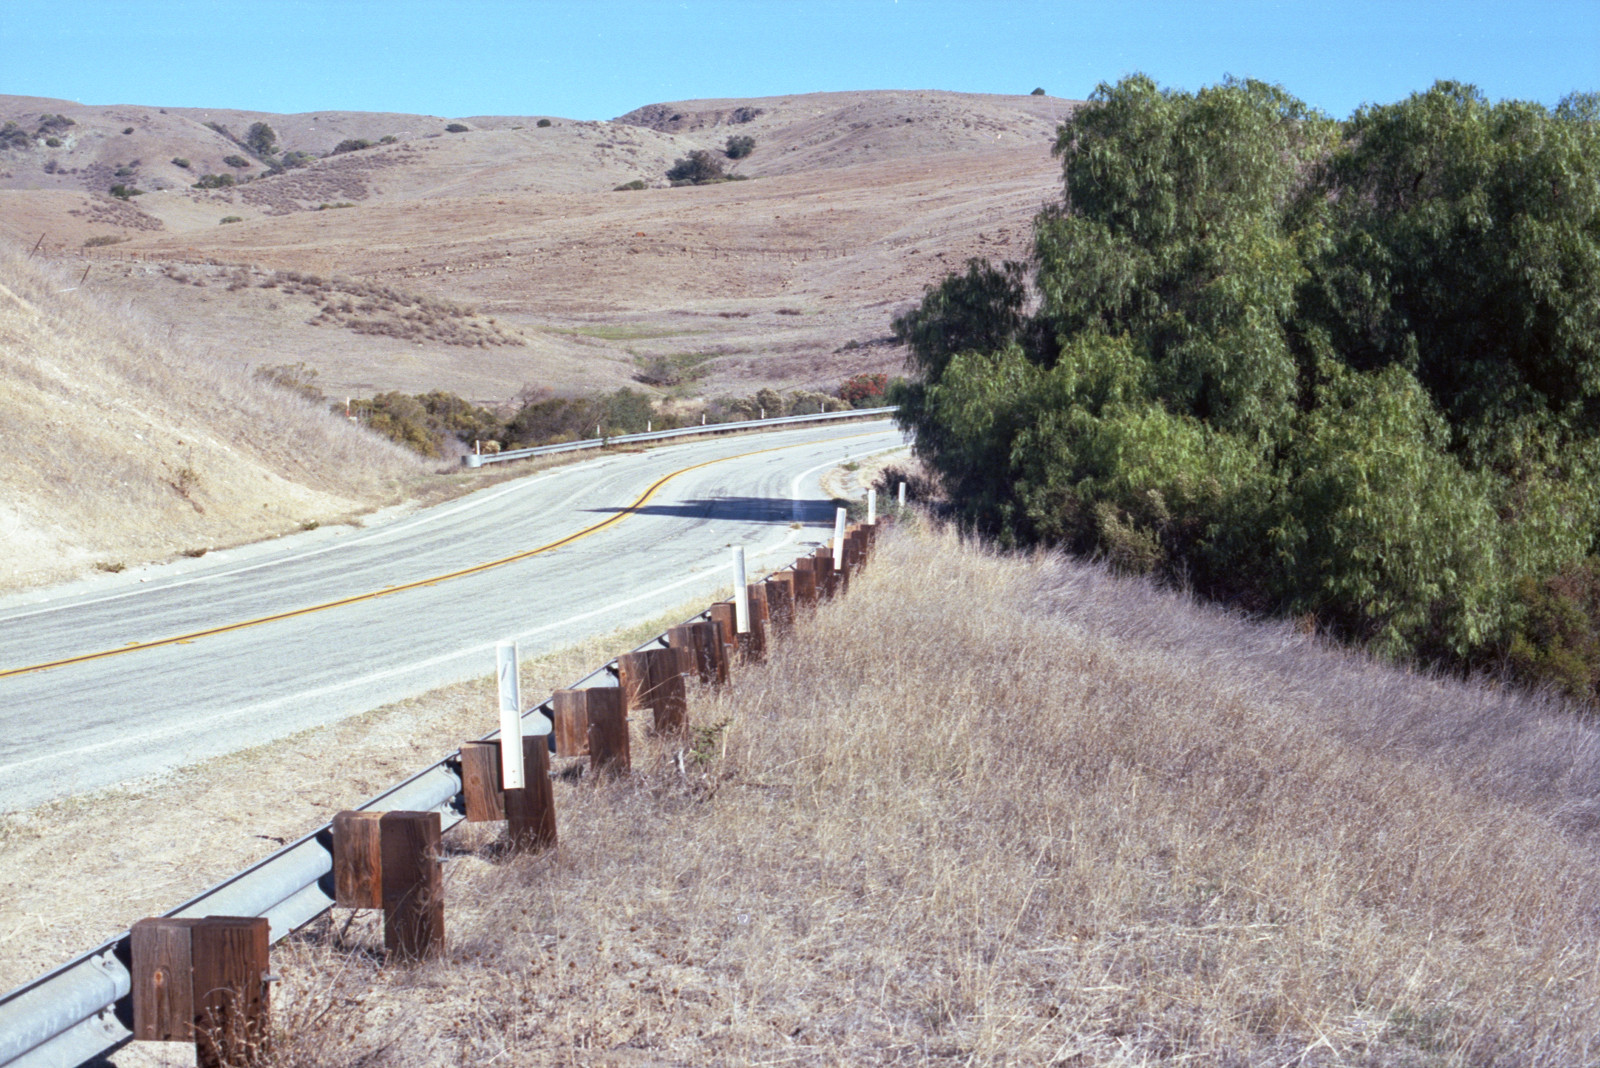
640	502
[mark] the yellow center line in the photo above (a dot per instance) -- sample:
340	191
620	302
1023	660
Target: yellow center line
183	639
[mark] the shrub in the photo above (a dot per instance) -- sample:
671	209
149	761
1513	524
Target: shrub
864	390
290	160
1037	92
49	123
179	161
699	168
14	136
637	183
351	144
542	123
388	139
125	172
103	240
226	219
214	181
53	142
456	127
237	162
127	130
298	377
125	192
261	139
740	146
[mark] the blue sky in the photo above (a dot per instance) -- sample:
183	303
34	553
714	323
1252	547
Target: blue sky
599	59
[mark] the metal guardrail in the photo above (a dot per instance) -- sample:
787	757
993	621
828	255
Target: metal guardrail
83	1009
474	460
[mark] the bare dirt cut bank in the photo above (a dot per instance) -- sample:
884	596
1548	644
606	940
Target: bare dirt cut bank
125	445
991	809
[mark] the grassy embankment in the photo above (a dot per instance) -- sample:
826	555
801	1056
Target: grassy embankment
123	445
1000	809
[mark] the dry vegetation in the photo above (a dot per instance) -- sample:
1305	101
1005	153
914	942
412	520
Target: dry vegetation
1013	810
124	445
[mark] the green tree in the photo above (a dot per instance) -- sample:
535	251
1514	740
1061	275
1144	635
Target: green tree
700	167
261	139
739	146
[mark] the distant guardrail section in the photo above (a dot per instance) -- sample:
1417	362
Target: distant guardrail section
474	460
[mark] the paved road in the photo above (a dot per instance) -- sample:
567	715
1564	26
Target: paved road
105	720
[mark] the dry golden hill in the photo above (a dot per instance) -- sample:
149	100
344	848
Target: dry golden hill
515	233
123	446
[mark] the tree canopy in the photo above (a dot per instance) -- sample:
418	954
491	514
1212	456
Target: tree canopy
1349	370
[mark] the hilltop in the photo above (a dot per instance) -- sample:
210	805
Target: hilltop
364	263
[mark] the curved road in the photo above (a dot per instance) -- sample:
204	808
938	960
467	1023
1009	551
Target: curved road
146	690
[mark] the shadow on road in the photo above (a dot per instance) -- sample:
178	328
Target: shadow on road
740	509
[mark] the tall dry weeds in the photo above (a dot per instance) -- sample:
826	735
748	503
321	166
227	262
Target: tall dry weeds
122	444
1013	810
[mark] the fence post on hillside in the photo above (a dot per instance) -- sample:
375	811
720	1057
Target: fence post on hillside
569	716
753	643
704	643
413	886
608	730
653	679
531	811
780	603
481	792
805	586
725	614
823	574
203	981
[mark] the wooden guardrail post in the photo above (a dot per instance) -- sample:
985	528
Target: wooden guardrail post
753	643
725	615
530	812
780	603
653	679
805	585
203	981
390	860
608	730
569	718
705	644
825	576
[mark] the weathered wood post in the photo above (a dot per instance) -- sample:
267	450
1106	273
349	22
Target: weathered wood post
203	981
753	643
780	603
531	815
823	574
726	617
805	586
704	642
608	731
569	719
390	860
653	679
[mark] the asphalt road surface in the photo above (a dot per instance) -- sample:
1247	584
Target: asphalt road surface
152	691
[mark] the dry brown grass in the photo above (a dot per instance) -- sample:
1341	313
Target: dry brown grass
123	445
1012	810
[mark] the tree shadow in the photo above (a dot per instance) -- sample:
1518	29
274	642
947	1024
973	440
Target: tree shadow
777	510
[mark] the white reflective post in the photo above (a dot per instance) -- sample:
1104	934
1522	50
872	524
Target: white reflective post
741	593
902	494
838	539
872	507
505	660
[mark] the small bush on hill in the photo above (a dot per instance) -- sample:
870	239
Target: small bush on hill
14	136
298	377
226	219
740	146
103	240
457	127
637	183
699	168
52	123
1037	92
351	144
542	123
214	181
53	142
128	130
237	162
179	161
388	139
291	160
125	192
261	139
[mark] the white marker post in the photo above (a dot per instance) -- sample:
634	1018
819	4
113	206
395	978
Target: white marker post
902	495
505	659
838	539
872	507
741	593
